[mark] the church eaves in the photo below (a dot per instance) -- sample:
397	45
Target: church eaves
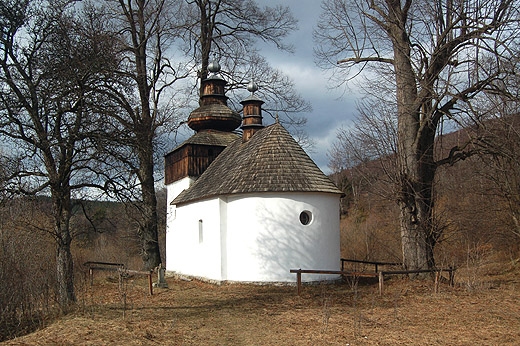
271	161
212	138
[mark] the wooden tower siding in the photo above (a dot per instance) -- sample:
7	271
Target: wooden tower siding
213	122
189	161
252	117
213	92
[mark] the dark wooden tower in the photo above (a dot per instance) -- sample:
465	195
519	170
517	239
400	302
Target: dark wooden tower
213	122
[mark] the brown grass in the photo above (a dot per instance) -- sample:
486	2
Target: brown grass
197	313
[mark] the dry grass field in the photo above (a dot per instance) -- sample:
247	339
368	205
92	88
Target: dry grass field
475	312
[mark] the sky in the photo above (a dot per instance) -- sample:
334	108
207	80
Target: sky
332	109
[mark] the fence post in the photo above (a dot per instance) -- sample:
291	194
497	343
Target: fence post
299	281
150	284
381	279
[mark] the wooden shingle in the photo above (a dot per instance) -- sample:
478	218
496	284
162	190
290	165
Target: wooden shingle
271	161
213	138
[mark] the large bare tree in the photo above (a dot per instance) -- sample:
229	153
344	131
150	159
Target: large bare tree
49	71
145	105
438	58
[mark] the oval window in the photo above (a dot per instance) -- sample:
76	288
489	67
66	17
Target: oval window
305	217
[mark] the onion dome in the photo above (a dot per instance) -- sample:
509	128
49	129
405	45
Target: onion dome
213	113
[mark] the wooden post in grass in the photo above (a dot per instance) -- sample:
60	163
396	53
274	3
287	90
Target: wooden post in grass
150	284
381	279
299	281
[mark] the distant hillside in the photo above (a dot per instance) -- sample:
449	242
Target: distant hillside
476	217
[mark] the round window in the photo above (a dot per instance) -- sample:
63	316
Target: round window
305	217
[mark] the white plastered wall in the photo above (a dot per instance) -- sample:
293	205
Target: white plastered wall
265	238
193	240
255	238
175	188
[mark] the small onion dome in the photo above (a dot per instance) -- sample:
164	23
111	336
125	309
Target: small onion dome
252	87
214	68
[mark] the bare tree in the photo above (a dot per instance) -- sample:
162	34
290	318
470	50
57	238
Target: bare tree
442	55
49	70
229	30
144	106
501	158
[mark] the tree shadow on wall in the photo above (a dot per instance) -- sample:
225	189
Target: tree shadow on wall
285	243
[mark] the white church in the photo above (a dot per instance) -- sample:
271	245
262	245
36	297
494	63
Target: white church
250	206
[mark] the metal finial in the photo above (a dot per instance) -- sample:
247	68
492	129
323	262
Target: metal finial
252	87
277	119
214	67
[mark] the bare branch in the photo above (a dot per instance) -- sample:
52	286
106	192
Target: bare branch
367	59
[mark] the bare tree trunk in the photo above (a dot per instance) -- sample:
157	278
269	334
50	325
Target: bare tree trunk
206	34
65	277
64	261
148	232
418	238
417	171
145	132
415	154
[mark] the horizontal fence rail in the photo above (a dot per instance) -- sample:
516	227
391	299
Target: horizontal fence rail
380	275
120	268
374	263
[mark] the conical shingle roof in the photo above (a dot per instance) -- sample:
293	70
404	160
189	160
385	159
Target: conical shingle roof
271	161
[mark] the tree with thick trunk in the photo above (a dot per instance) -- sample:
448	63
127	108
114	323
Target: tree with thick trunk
145	29
442	56
49	70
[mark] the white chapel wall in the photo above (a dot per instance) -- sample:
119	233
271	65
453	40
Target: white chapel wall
193	240
253	238
265	238
175	188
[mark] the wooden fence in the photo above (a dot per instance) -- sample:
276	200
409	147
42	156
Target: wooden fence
120	268
374	263
379	274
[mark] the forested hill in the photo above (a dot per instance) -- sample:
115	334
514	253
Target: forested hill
477	200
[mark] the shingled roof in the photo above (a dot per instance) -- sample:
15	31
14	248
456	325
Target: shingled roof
271	161
214	138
